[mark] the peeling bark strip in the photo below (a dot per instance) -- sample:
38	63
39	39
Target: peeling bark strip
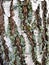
11	21
12	24
44	8
5	49
1	18
2	30
25	8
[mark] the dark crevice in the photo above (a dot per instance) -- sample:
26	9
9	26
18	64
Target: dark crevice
44	36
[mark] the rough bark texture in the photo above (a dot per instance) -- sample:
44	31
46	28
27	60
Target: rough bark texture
1	18
24	26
